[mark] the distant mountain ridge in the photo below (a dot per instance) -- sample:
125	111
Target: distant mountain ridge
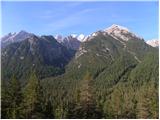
44	54
59	52
15	37
73	41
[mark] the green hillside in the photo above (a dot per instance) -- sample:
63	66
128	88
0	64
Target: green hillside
106	78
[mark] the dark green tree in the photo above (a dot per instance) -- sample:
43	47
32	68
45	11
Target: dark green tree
33	98
147	106
11	99
86	107
5	101
48	109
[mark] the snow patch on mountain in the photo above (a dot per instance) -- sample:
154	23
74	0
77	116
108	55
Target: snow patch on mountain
74	35
59	38
8	37
153	42
70	42
15	37
81	37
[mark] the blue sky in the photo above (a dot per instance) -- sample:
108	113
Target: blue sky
66	18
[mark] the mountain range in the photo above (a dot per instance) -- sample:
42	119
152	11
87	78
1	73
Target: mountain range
53	53
73	41
119	64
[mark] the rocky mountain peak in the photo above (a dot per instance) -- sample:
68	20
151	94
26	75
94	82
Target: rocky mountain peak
120	32
115	27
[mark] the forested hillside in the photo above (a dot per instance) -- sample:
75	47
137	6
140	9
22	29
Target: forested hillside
109	76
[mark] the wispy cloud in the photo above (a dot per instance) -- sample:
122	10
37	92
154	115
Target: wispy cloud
71	20
53	13
73	4
47	15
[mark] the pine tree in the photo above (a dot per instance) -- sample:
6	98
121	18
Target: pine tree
117	102
33	98
147	106
121	103
48	109
5	101
86	108
11	99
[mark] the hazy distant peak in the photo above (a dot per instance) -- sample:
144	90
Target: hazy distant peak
59	38
23	31
74	35
15	37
